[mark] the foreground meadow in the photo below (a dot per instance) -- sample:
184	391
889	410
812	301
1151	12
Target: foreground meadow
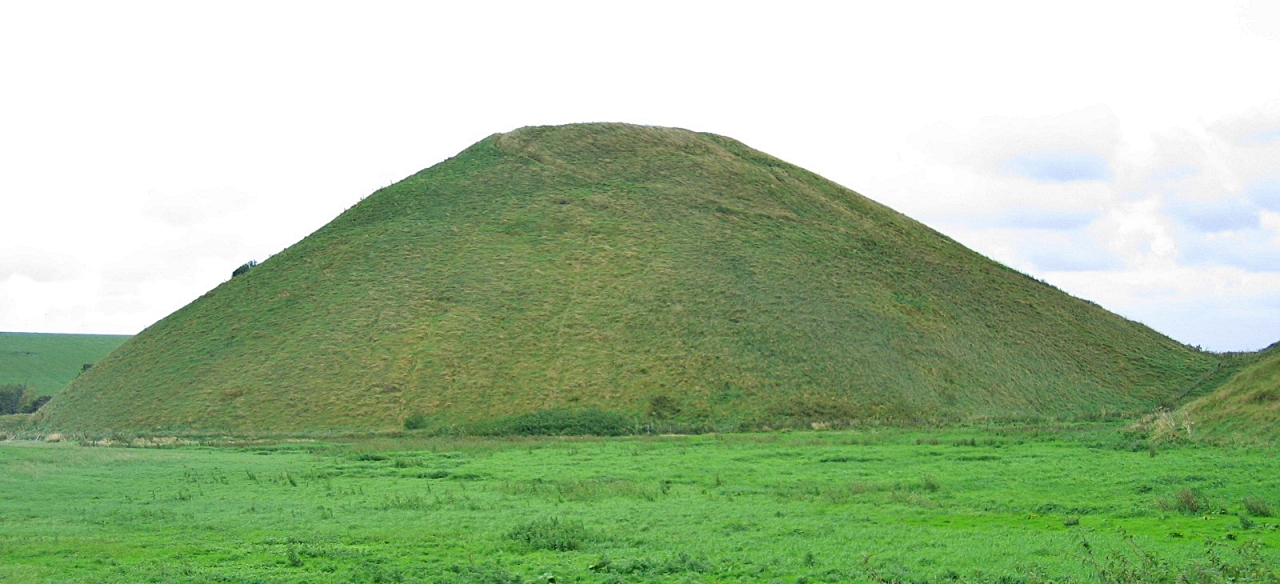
1001	504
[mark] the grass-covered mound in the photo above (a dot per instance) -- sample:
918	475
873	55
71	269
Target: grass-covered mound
657	273
46	363
1246	407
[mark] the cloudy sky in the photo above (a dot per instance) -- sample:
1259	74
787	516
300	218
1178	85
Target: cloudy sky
1128	153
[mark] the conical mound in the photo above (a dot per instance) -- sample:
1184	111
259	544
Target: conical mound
654	272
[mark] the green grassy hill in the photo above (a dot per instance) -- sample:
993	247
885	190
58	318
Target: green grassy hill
48	362
1247	406
657	272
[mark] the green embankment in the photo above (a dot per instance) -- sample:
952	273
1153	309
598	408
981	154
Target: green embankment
1246	407
656	272
48	362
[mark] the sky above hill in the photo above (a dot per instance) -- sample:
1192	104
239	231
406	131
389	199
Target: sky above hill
1128	153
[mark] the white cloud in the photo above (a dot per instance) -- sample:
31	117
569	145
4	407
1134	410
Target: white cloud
1077	145
1259	125
195	208
1265	192
1261	17
1228	213
1245	313
1271	220
38	265
160	145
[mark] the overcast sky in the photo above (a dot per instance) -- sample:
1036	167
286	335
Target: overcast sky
1128	153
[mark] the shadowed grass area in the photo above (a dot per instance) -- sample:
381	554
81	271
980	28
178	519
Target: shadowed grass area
677	278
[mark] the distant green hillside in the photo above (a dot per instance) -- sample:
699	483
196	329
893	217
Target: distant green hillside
1247	406
660	273
48	362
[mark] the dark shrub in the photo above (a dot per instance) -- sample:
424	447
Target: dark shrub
11	399
244	268
580	422
36	404
416	421
662	407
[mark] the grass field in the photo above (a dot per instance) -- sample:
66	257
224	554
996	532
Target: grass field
1013	503
48	362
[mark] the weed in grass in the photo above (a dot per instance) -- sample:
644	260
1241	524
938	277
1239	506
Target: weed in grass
293	559
911	499
404	502
479	574
406	463
677	564
600	564
1259	507
1137	565
1186	500
553	534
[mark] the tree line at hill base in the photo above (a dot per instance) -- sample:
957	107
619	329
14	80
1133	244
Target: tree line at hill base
20	399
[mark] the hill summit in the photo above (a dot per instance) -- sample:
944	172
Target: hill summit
655	272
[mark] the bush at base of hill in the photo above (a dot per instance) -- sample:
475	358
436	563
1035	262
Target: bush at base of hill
577	422
19	399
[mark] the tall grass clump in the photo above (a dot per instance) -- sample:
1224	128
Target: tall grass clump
1186	500
552	534
1259	507
1222	565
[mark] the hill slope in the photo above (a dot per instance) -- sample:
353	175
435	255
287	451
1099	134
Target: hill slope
652	271
48	362
1247	406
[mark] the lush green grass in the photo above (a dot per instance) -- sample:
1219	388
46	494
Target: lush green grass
999	504
1247	407
48	362
621	267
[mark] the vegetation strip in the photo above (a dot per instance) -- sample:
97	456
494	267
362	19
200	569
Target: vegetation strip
1001	503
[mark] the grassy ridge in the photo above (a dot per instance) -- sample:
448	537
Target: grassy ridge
617	267
981	505
48	362
1245	407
